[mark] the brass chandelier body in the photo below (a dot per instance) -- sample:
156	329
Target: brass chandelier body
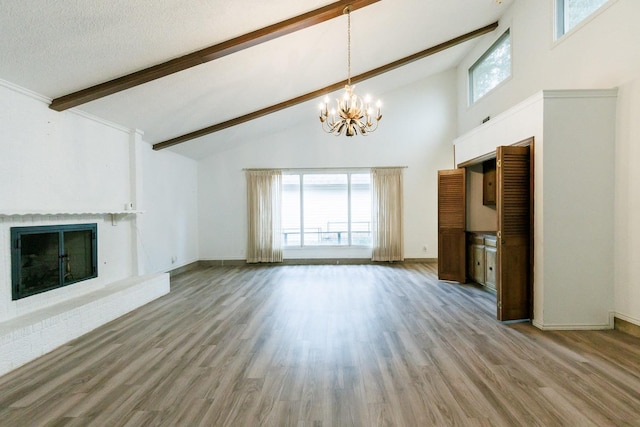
352	114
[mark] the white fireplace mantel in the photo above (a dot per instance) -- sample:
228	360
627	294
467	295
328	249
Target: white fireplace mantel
30	212
115	215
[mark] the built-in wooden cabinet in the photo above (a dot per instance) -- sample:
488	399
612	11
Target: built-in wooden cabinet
510	263
575	156
481	262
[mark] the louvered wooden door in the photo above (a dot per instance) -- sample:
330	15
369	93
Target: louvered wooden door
451	225
514	219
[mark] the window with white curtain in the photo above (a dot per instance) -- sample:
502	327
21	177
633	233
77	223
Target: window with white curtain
264	192
387	216
326	208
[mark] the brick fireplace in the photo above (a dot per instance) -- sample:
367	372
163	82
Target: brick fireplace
79	276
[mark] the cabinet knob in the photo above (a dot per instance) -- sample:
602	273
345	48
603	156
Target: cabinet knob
490	268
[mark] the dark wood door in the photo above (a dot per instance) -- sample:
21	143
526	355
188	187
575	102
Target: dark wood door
514	219
451	225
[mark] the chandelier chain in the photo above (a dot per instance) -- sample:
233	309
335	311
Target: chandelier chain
349	45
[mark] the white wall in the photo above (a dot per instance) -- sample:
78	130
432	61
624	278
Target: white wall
578	213
416	131
59	161
601	53
627	204
169	225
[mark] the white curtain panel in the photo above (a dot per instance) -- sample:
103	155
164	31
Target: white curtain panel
264	195
387	216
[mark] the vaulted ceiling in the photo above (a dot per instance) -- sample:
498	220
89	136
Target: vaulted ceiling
55	48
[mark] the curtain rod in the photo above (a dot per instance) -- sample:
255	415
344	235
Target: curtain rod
325	169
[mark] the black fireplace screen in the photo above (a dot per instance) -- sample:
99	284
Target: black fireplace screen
49	257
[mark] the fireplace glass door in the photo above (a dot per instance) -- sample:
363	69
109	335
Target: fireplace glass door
49	257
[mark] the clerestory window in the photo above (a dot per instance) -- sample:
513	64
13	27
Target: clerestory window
569	13
493	67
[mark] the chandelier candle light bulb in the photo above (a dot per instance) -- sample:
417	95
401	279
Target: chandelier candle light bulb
355	115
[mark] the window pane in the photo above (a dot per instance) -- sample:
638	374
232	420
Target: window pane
78	248
361	209
492	68
325	209
575	11
291	210
40	269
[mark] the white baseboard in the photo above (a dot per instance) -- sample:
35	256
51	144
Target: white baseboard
573	326
628	318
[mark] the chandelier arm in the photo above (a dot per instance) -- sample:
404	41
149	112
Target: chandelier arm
373	126
328	126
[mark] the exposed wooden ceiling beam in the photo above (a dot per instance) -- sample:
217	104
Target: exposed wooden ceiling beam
319	92
207	54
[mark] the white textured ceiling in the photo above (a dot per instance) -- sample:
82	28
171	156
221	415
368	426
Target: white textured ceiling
57	47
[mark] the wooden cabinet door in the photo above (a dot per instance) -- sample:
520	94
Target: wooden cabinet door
513	206
489	182
451	225
490	267
469	255
478	264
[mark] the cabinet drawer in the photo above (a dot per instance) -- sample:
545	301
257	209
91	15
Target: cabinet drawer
490	241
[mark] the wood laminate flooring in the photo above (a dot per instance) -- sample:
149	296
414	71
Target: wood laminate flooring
321	346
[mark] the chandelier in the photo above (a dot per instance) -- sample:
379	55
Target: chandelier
352	114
